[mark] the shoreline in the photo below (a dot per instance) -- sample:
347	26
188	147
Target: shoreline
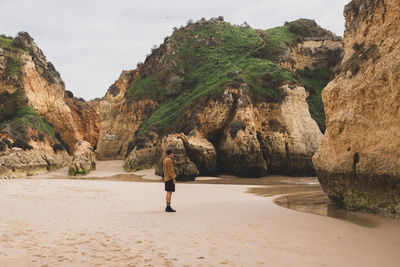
64	222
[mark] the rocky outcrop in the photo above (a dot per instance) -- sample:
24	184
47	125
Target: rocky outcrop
248	120
84	159
202	153
239	149
185	169
246	139
120	118
18	163
144	158
314	54
86	118
358	162
36	112
19	158
289	136
313	48
45	92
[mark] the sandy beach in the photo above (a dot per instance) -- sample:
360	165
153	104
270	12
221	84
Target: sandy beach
77	222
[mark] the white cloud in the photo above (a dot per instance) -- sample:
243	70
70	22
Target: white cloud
91	41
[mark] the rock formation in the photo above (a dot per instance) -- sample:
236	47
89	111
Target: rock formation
358	163
201	152
84	159
185	169
38	155
73	119
228	99
36	112
245	120
120	118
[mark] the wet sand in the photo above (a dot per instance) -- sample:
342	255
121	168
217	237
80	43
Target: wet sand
94	222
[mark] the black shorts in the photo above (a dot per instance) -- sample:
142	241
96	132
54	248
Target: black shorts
170	186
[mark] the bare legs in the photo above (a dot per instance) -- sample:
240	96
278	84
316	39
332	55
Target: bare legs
168	197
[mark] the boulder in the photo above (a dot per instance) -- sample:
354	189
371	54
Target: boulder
143	158
83	160
185	169
202	153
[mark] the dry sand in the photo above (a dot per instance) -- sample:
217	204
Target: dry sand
60	222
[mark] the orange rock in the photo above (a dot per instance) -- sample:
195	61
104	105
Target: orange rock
358	163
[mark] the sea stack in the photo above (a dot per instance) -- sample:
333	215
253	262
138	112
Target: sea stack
358	162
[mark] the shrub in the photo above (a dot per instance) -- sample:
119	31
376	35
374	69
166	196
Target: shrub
175	85
3	146
68	94
7	142
6	41
15	114
41	137
58	147
308	28
236	127
18	131
114	90
13	69
276	126
314	81
139	142
61	141
22	144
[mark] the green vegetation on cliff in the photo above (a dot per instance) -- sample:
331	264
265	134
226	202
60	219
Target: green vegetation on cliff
10	43
314	81
6	41
209	56
15	113
13	70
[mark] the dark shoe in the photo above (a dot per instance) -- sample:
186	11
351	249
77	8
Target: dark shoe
169	209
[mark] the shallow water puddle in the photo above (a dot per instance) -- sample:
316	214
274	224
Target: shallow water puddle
311	199
317	202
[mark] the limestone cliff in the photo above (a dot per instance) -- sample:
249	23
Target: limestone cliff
239	98
121	118
33	99
46	94
358	163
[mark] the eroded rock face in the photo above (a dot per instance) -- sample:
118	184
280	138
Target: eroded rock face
45	92
253	138
315	53
202	153
43	119
358	163
84	159
289	136
35	158
253	124
239	148
19	163
185	169
120	118
239	137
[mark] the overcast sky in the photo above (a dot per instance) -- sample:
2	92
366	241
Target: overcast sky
91	41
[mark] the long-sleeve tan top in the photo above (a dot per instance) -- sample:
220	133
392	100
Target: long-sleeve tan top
168	168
